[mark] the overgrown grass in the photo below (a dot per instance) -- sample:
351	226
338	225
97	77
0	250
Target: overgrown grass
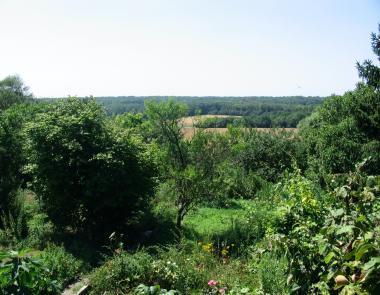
209	222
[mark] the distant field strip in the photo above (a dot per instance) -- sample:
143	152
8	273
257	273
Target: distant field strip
189	130
191	120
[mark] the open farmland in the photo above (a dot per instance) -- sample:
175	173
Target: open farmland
189	132
189	123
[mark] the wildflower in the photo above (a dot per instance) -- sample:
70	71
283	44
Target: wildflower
222	291
212	283
208	247
224	252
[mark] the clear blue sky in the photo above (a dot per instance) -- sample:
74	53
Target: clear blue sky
192	47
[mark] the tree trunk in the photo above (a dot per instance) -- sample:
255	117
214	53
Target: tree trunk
180	216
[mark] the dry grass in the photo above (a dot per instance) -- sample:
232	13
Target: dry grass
190	131
191	120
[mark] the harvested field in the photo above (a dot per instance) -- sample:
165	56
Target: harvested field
190	131
191	120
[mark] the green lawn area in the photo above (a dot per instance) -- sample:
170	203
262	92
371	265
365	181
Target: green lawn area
206	222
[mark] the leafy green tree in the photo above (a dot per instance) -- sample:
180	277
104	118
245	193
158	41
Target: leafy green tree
179	167
88	174
267	154
12	156
13	91
369	72
346	129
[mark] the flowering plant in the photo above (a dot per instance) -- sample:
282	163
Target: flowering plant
215	288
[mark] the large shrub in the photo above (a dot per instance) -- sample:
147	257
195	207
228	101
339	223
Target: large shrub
344	131
11	152
121	273
89	175
24	273
267	154
63	267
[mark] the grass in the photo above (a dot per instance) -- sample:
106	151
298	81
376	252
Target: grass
206	222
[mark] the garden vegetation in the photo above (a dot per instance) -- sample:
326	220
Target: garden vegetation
124	203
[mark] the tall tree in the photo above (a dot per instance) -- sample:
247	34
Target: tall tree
188	180
346	129
12	91
369	72
12	156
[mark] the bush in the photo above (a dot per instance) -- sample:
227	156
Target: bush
153	290
235	183
267	154
22	273
63	267
345	131
12	156
272	272
14	222
122	273
40	231
178	268
89	174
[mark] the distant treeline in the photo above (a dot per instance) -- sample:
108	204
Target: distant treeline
258	111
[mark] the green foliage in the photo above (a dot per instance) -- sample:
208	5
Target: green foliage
177	268
369	72
14	223
187	176
258	225
121	273
349	240
40	231
266	154
21	273
13	230
12	157
72	152
221	122
153	290
13	91
272	272
62	266
233	182
324	238
263	112
345	130
26	226
164	123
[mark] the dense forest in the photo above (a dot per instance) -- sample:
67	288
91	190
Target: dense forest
257	111
125	204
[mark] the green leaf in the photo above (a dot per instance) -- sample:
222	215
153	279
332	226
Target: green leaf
362	250
337	213
371	263
329	257
345	229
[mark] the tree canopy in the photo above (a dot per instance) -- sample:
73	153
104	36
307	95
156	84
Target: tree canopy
13	91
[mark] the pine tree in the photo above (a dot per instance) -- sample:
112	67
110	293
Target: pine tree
369	72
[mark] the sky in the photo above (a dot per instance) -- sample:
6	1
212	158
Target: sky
186	47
